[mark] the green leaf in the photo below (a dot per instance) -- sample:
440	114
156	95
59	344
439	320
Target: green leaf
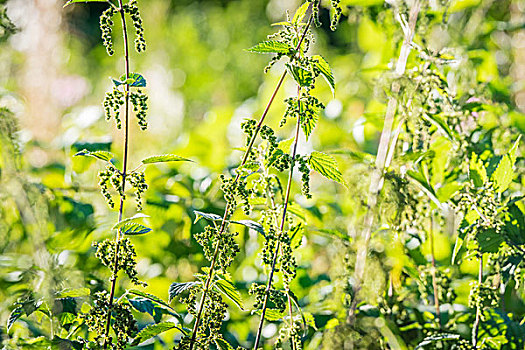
74	293
165	158
128	220
14	316
251	225
153	330
271	46
325	70
135	80
300	13
102	155
176	288
489	241
134	229
222	344
150	297
207	216
325	165
228	289
308	124
156	303
477	171
504	173
85	1
435	338
301	76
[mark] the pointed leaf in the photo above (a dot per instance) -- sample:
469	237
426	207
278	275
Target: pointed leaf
504	173
271	46
300	13
135	80
128	220
74	293
85	1
165	158
153	330
228	289
325	70
301	76
207	216
134	229
325	165
222	344
251	225
176	288
102	155
308	124
477	171
15	315
435	338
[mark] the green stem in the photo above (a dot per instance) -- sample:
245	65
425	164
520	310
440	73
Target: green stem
227	209
434	282
281	228
475	327
124	173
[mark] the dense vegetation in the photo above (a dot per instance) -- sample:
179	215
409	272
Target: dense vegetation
343	174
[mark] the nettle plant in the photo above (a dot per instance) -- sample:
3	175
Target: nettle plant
257	184
109	319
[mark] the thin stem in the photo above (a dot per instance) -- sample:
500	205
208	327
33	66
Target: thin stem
475	327
433	261
377	175
227	209
124	173
281	228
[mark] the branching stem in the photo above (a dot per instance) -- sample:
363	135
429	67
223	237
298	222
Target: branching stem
124	169
227	209
281	228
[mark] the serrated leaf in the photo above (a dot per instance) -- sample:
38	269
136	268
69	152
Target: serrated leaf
14	316
504	173
325	165
74	293
135	80
228	289
251	225
325	70
207	216
285	145
435	338
222	344
489	241
308	124
301	76
128	220
102	155
134	229
477	171
300	13
153	330
176	288
272	315
157	302
165	158
84	1
271	46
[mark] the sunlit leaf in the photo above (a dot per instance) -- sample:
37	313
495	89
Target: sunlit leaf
325	165
301	76
165	158
228	289
207	216
135	80
102	155
128	220
83	1
326	71
134	229
271	46
153	330
176	288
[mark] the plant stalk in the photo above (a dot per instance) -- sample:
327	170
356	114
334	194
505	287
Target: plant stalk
227	209
475	327
124	172
434	282
281	228
377	174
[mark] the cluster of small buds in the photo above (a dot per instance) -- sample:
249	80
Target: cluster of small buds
336	15
126	257
106	22
393	307
315	11
268	134
228	247
269	245
291	332
305	176
213	315
463	344
116	181
446	294
248	127
231	189
140	107
132	9
206	239
138	182
287	260
112	103
95	319
104	179
280	161
277	299
483	296
124	325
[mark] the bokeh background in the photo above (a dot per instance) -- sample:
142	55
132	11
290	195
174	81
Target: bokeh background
202	83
